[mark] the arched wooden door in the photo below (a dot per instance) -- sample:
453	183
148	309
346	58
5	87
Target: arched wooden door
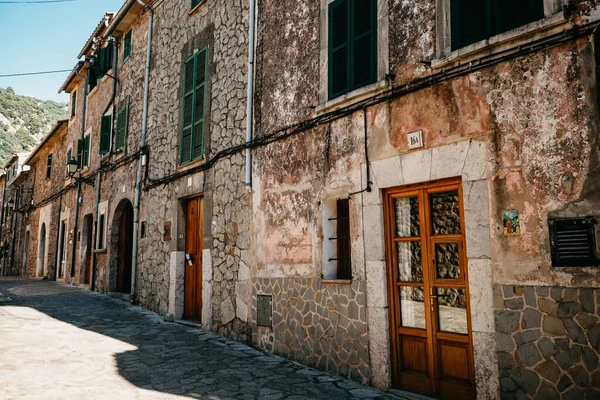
125	249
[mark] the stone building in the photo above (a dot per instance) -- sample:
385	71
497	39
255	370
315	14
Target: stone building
421	207
433	228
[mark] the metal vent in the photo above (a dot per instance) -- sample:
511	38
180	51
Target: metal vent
573	242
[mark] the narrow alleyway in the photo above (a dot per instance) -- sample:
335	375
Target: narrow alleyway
61	342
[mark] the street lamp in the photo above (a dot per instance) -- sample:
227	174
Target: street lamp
72	166
11	203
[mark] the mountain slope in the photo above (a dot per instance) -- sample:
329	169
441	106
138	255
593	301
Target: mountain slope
24	121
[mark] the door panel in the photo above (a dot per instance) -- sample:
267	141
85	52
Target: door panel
193	265
428	291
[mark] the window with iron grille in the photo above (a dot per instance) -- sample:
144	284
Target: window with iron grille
475	20
49	167
352	48
194	88
336	236
573	242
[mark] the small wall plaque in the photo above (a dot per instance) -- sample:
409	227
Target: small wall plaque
415	140
511	223
167	231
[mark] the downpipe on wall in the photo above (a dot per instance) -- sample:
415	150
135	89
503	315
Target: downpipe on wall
76	225
138	182
250	92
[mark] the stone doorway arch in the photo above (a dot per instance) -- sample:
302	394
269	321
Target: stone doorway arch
121	247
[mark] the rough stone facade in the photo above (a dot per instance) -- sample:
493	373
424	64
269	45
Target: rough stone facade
548	341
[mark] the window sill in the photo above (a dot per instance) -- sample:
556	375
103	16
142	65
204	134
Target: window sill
94	90
497	43
106	75
198	6
337	281
191	164
100	251
352	97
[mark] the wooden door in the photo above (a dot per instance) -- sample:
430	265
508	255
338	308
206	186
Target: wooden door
125	250
88	251
430	322
193	263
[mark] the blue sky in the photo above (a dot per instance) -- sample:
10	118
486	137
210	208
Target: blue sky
43	37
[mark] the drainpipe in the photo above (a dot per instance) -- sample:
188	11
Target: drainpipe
76	225
138	182
14	233
250	93
57	239
2	220
99	175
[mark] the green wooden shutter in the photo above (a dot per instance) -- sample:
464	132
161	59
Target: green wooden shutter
92	79
86	151
80	145
100	63
510	14
470	20
121	128
127	46
200	83
339	51
105	130
188	110
364	43
69	155
195	3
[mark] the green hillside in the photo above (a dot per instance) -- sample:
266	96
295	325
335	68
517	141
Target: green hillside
24	121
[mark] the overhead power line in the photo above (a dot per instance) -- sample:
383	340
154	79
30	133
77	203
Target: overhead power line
36	73
36	2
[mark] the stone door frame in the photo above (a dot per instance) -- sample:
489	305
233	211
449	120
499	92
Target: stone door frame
467	160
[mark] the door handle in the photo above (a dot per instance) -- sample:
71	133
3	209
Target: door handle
189	260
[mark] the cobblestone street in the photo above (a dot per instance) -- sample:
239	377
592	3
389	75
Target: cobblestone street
61	342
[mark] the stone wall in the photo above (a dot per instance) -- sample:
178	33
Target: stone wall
323	325
548	342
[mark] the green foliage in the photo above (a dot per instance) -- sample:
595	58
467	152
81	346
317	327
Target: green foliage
31	118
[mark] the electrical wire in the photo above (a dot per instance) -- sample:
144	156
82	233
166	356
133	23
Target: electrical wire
36	73
36	2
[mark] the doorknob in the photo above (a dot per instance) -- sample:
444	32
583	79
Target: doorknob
189	259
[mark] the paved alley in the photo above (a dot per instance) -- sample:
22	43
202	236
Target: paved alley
61	342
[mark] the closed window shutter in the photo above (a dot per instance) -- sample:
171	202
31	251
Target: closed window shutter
105	130
80	144
69	155
200	82
188	110
121	128
364	42
73	104
101	63
510	14
195	3
470	22
127	46
86	151
339	51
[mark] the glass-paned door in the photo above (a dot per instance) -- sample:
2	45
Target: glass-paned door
429	301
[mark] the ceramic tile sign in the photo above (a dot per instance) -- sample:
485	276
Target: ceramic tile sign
511	223
415	140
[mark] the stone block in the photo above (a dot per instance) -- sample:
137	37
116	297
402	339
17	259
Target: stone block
586	321
586	297
556	293
475	165
477	219
514	304
529	354
568	310
373	226
548	392
504	342
590	359
507	321
529	381
575	332
527	336
387	172
532	318
505	361
530	298
564	382
580	376
486	365
553	326
227	311
376	284
549	370
480	288
549	307
416	166
379	346
547	348
448	161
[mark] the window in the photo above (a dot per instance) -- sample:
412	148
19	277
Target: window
101	233
192	137
104	59
69	155
92	79
352	45
121	128
105	134
195	3
573	242
73	103
49	167
127	46
337	259
83	151
475	20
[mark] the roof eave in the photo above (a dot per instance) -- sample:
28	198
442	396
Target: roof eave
118	18
54	129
